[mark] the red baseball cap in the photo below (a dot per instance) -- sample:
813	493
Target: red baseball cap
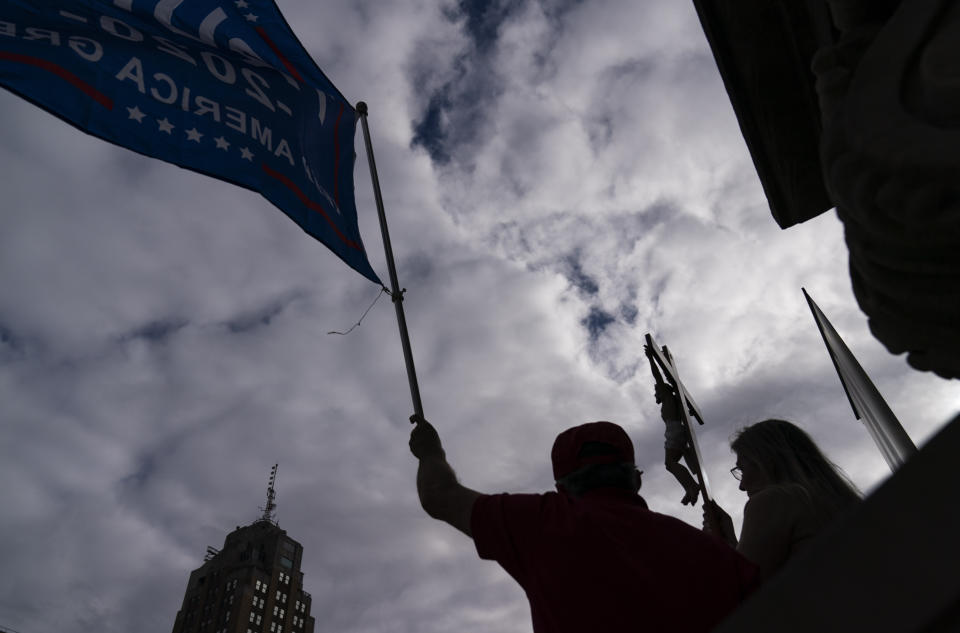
566	448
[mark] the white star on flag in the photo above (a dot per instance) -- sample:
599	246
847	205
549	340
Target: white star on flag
222	143
251	17
241	4
136	114
246	153
194	135
165	126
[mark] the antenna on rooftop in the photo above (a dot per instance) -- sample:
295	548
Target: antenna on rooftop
271	497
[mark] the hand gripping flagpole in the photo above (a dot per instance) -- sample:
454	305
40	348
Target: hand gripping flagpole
395	292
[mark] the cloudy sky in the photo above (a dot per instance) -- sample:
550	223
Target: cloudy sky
560	178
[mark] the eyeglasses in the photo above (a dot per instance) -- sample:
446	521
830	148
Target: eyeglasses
737	472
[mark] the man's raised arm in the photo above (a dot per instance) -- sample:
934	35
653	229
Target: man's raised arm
441	495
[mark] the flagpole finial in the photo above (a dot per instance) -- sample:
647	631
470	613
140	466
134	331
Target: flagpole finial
362	108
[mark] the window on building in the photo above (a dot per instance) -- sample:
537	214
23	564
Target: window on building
251	616
273	626
259	619
275	609
257	587
284	600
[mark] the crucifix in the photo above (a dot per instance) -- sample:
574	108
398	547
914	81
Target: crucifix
662	360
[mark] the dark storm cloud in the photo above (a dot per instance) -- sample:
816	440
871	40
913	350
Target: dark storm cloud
572	266
457	112
7	337
483	19
629	313
11	345
146	467
155	457
416	267
157	331
596	322
430	132
261	316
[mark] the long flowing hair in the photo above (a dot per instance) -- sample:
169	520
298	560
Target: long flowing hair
787	455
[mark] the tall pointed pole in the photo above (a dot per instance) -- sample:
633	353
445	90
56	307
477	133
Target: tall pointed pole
865	399
395	292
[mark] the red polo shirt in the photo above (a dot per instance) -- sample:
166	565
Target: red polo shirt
605	563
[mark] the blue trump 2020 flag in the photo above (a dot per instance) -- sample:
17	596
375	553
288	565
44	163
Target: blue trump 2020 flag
222	87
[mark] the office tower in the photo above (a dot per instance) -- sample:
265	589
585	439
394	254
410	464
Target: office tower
252	585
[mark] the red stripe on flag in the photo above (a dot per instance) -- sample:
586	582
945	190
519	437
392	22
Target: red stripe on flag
63	73
286	62
310	204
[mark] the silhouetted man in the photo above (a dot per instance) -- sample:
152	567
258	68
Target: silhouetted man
591	556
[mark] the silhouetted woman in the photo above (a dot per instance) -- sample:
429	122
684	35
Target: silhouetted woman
794	492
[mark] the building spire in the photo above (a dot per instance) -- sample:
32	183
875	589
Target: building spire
271	505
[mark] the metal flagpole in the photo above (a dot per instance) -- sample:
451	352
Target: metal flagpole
395	292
